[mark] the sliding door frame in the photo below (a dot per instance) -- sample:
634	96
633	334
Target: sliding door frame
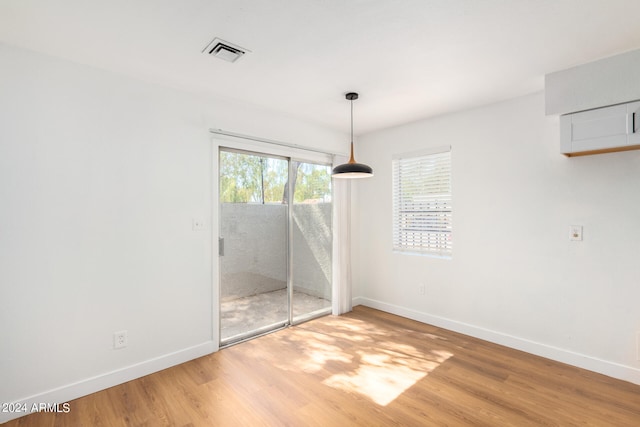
291	153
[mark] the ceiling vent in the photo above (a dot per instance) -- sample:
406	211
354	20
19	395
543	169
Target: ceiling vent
224	50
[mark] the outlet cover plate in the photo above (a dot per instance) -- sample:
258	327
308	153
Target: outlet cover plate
120	339
575	232
197	224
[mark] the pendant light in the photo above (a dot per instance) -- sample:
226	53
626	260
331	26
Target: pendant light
352	169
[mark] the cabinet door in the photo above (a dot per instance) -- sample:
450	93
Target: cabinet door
593	130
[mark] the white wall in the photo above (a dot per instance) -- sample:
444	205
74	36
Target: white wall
515	278
100	178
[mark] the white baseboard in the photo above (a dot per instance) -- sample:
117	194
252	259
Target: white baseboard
611	369
100	382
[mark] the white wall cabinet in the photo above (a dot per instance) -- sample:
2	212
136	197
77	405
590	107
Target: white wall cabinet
602	130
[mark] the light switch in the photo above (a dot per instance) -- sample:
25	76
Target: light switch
575	232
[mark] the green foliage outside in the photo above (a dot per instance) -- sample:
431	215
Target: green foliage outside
247	178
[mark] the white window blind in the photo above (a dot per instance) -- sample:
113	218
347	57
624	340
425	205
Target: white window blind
422	208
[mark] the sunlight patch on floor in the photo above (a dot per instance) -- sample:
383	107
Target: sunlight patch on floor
380	368
384	376
319	354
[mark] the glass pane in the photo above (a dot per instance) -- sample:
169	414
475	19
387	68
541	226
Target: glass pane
312	240
276	173
240	178
253	267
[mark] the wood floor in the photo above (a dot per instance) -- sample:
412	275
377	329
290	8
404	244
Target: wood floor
367	368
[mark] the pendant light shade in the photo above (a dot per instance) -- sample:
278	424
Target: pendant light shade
352	169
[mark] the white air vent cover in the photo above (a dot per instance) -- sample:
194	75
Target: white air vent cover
224	50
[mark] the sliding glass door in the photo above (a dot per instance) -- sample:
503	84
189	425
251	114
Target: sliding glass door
275	249
311	241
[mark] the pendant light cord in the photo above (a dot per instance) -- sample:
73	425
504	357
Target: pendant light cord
352	159
352	121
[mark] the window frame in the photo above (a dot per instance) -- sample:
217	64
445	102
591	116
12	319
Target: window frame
434	235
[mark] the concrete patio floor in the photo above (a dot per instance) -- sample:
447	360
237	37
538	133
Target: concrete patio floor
249	313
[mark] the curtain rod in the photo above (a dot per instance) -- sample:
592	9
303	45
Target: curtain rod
271	141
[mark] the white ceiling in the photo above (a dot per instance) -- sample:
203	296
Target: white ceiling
408	59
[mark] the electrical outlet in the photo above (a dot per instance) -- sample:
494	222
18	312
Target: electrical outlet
197	224
421	289
575	232
638	345
120	339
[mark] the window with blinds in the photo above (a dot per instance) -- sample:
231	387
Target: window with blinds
422	202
